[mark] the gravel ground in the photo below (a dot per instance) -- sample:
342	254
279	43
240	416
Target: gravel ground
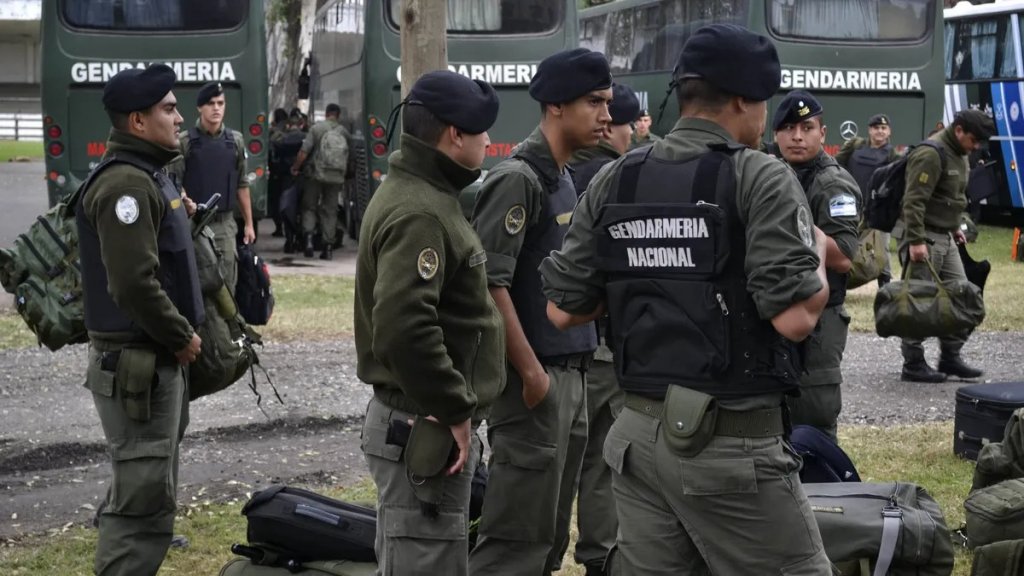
54	468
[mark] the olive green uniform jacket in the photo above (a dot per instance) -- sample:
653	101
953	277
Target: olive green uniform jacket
428	335
130	251
638	141
935	199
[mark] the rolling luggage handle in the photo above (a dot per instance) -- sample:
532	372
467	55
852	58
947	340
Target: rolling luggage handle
969	438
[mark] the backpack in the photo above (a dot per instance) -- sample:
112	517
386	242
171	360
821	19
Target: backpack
1004	558
330	161
888	184
824	460
894	529
228	342
246	567
253	293
43	270
869	261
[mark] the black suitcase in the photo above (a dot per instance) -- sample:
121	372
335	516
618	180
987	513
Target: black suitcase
982	412
306	526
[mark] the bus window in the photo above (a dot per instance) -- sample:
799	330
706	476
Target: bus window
495	16
892	20
980	49
176	15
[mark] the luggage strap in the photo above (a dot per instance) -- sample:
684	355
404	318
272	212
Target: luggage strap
892	519
763	423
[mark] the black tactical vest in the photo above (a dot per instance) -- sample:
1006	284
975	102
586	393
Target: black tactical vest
177	271
548	342
584	172
863	163
673	248
211	167
836	281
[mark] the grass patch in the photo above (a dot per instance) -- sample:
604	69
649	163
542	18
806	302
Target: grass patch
1003	311
921	453
12	149
14	333
311	308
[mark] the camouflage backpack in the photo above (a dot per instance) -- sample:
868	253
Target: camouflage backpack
43	272
330	160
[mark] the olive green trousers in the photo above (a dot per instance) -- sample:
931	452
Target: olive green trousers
535	464
408	542
821	398
137	519
735	508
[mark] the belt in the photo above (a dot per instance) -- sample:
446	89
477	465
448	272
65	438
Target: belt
569	361
110	358
762	423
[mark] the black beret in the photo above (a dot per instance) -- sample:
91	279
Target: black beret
469	105
796	107
625	106
208	92
135	89
976	122
879	120
567	75
733	59
643	112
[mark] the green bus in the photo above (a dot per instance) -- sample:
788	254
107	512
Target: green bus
355	63
859	57
86	42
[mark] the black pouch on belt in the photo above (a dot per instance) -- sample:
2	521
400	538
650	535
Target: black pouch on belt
688	421
136	374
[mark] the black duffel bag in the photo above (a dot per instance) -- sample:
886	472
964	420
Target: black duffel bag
305	526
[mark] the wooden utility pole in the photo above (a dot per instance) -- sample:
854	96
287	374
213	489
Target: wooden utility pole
424	44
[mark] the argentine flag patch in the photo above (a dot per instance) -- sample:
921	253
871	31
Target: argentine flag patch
842	206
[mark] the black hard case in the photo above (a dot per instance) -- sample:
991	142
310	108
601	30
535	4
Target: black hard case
307	526
982	412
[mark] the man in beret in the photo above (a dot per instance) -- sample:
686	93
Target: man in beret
703	254
861	157
835	202
142	304
595	518
213	162
538	428
321	187
428	336
643	135
932	204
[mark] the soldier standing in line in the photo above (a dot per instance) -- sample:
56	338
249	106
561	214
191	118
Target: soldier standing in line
861	157
214	163
643	135
538	428
705	257
835	202
142	304
428	336
932	205
595	508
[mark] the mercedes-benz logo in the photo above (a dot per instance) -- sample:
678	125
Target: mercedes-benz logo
848	130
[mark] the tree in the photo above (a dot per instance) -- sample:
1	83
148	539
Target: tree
424	42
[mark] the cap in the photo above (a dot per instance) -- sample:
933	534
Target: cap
469	105
208	92
797	106
976	122
625	106
567	75
643	112
879	120
733	59
136	89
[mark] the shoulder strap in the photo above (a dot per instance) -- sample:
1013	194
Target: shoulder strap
72	200
892	521
229	137
193	135
533	174
939	149
708	168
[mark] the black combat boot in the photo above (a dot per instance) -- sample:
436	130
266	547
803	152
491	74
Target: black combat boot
328	253
308	252
954	365
920	371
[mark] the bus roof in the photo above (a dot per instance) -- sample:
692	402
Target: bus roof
965	9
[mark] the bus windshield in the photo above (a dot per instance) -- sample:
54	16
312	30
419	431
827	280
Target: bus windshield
495	16
862	20
153	15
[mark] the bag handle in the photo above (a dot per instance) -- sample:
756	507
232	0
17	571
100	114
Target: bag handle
931	267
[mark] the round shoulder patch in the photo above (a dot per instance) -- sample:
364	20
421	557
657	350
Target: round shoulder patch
427	263
803	226
127	209
515	219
